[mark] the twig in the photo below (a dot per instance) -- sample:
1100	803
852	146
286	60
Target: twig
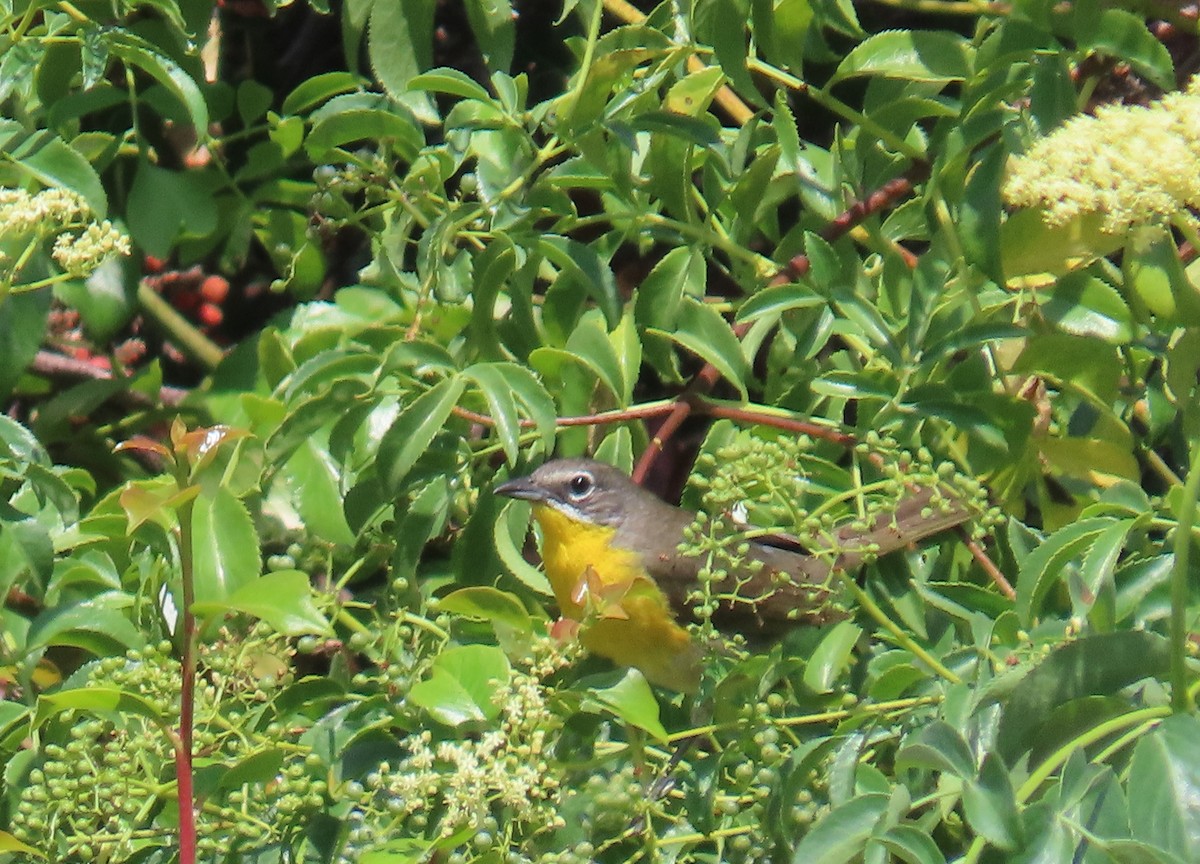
58	366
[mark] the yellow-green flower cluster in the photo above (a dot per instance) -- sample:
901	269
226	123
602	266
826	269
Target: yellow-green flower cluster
80	254
1133	164
506	767
51	208
81	244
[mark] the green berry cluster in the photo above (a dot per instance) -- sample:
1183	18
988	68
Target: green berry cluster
343	189
103	784
755	487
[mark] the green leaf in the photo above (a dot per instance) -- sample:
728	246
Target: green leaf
97	700
284	599
991	805
9	843
400	42
261	766
632	700
163	205
364	124
940	747
1045	565
1092	665
590	344
722	24
494	26
1083	305
225	545
1164	787
57	164
586	265
487	604
843	834
774	301
315	481
414	430
702	330
509	535
319	89
680	273
1124	35
1034	253
912	845
933	56
100	625
134	51
22	329
832	655
537	402
462	684
492	380
451	81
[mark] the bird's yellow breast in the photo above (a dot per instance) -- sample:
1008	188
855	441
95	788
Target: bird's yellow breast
630	620
570	547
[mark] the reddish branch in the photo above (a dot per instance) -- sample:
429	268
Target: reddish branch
882	198
54	365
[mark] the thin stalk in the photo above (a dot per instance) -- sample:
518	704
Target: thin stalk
871	608
187	683
194	343
1181	701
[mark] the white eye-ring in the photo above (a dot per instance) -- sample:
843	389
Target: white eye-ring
580	486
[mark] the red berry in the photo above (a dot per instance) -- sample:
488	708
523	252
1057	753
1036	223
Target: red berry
214	289
210	315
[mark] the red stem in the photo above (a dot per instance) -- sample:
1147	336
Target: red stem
187	686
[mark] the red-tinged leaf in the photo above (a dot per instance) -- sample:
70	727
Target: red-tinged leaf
147	500
145	445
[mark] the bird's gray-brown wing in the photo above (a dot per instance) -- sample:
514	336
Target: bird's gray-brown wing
790	587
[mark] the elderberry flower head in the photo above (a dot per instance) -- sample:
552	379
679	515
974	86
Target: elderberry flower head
1134	164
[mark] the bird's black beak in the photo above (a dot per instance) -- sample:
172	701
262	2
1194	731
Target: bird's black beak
522	488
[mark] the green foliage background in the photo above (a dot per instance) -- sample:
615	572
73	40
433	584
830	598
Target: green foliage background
792	209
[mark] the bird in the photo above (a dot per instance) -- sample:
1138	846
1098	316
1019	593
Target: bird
611	553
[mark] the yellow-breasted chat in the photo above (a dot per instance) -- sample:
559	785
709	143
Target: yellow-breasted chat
611	553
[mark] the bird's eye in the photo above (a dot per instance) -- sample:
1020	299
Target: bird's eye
580	486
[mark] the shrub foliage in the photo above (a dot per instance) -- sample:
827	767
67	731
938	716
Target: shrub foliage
868	272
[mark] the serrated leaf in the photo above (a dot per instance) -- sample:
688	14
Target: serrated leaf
134	51
934	56
1164	787
701	330
400	42
226	553
284	599
59	165
414	430
1044	566
502	405
774	301
991	805
940	747
1092	665
451	81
